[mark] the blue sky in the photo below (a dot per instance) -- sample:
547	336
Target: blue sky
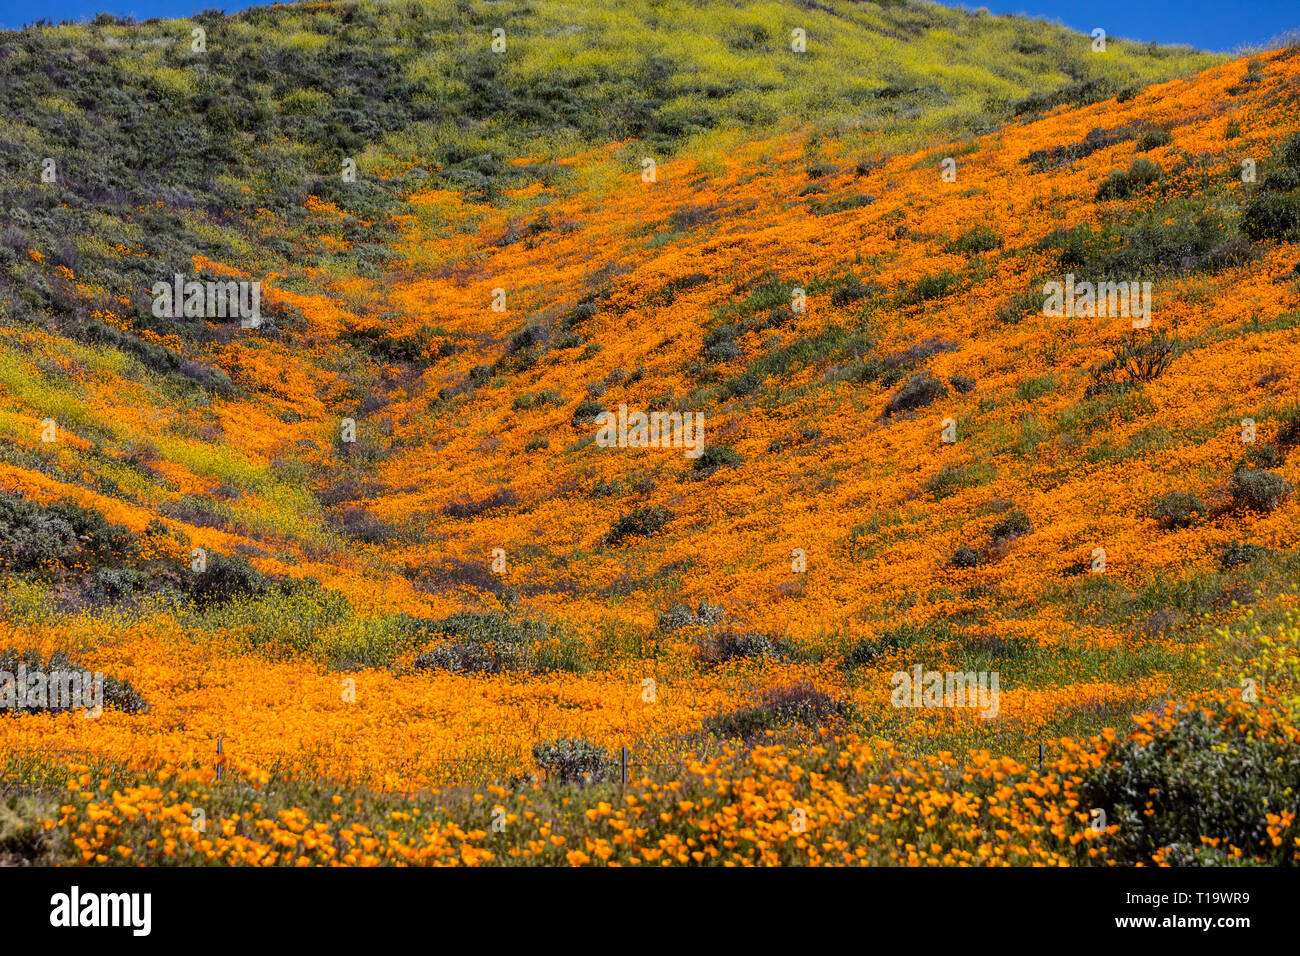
1218	25
1221	25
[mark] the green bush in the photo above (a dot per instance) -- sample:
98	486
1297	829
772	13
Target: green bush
723	646
1178	239
1272	215
1136	361
588	411
1262	455
226	578
680	615
575	760
1288	433
848	290
900	637
796	704
495	500
714	457
35	537
965	557
1238	553
484	642
828	207
934	286
58	668
1059	156
918	391
979	239
1012	525
1121	184
720	344
1215	775
1178	509
1154	139
530	400
1035	388
580	313
1258	490
649	520
952	478
1078	93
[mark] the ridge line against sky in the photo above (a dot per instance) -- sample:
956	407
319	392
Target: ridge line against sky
1222	26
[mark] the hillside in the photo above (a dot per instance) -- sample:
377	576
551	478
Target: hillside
417	565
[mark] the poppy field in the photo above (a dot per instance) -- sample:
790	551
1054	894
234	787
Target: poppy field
646	439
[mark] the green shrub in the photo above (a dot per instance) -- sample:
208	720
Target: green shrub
800	704
1238	553
1288	433
31	537
918	391
226	578
1262	455
36	537
900	637
575	760
58	669
965	557
1258	490
848	290
649	520
720	344
934	286
1272	215
1012	525
484	642
1034	388
1178	509
868	650
828	207
979	239
1136	361
588	411
723	646
1154	139
501	497
1178	239
530	400
1078	93
580	313
716	456
953	478
680	615
1214	775
1121	184
1058	156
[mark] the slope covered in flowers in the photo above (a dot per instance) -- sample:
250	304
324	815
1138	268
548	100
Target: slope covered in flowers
906	462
